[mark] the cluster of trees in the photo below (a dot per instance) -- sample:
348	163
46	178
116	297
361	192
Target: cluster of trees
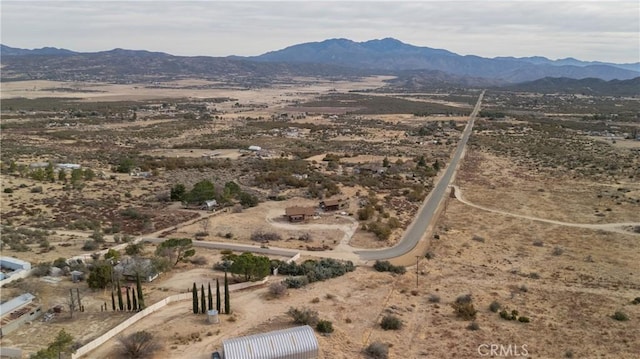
312	270
176	249
205	191
205	302
135	299
48	174
247	265
63	343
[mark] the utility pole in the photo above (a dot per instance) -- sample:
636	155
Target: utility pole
417	261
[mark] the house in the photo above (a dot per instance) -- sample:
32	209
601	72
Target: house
334	204
292	343
297	214
131	268
209	205
17	311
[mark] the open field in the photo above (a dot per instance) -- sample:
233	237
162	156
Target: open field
152	154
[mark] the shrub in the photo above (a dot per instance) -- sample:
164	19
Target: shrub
430	255
473	326
199	260
139	345
262	237
385	266
557	251
478	239
538	243
324	326
523	319
37	189
304	316
8	190
463	307
278	289
636	301
391	322
494	306
296	282
90	245
620	316
41	269
433	298
377	350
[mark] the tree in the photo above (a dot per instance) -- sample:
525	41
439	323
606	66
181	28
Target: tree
248	200
251	266
50	173
177	249
89	175
140	344
134	299
385	162
120	302
128	300
140	294
62	344
125	165
218	299
178	192
133	249
227	303
100	275
421	162
210	297
113	301
203	300
201	191
76	176
194	295
62	175
112	254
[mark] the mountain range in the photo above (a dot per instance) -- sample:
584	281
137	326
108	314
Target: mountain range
412	65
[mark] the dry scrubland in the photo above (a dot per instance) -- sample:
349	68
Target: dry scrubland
321	140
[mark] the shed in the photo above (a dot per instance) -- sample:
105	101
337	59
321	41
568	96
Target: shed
76	276
333	204
292	343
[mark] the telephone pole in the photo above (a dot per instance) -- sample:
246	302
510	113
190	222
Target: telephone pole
417	261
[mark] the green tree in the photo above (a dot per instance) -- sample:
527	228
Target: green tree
218	299
133	249
201	191
141	304
203	300
248	200
100	275
62	176
112	254
176	249
227	302
194	296
250	266
210	297
178	192
89	175
120	302
50	173
62	344
421	162
128	300
385	162
125	165
113	301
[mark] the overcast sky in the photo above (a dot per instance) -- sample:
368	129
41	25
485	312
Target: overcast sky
588	30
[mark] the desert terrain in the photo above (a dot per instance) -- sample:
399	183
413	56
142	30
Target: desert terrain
518	235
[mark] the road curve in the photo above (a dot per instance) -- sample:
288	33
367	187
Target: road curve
428	209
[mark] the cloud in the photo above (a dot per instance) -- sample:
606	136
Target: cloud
590	30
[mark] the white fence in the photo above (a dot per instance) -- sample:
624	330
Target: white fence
15	276
147	311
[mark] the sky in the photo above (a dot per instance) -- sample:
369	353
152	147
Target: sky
587	30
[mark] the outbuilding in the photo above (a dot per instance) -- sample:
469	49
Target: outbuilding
292	343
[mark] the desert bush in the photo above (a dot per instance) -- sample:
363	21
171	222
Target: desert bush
557	251
385	266
377	350
140	344
278	289
133	249
37	189
494	306
391	322
433	298
430	255
636	301
524	288
304	316
259	236
41	269
90	245
463	307
523	319
199	260
324	326
620	316
315	270
8	190
538	243
534	275
473	326
478	238
506	315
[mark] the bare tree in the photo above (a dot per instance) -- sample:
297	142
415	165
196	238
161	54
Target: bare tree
139	345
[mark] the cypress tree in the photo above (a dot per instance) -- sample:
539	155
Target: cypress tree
194	293
227	304
218	304
120	304
203	300
113	300
210	296
140	294
134	299
128	300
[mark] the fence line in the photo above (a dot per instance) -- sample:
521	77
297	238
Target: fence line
147	311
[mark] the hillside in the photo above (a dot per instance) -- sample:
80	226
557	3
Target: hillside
589	86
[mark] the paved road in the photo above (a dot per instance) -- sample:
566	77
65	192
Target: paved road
426	213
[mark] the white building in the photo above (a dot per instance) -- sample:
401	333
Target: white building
292	343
